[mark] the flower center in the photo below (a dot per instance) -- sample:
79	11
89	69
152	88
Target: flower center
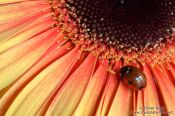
124	25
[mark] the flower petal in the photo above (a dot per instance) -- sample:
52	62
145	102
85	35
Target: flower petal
151	98
139	104
89	101
108	93
19	25
167	90
10	1
52	55
31	98
172	70
23	56
121	104
70	94
27	34
12	11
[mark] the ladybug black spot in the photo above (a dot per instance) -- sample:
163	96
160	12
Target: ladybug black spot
129	82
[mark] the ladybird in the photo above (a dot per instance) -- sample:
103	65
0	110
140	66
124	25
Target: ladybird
133	77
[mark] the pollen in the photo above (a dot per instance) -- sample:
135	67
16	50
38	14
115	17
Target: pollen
137	30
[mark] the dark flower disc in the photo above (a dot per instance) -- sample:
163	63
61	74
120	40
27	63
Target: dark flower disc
125	25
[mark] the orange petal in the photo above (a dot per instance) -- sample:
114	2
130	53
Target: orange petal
172	70
139	104
166	87
31	98
151	98
89	101
108	93
27	34
12	11
10	1
122	102
54	54
19	25
23	56
70	94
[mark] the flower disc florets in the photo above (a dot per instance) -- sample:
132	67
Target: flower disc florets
137	30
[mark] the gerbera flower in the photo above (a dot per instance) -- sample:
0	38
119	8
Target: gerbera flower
64	57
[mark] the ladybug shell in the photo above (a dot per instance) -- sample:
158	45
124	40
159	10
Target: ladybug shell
133	77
